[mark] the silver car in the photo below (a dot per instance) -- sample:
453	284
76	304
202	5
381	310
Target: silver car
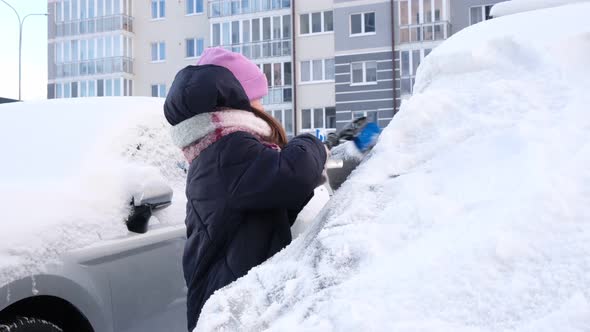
131	281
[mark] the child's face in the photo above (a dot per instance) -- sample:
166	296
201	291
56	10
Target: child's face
257	104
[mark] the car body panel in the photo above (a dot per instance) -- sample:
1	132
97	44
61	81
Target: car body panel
86	289
148	292
134	283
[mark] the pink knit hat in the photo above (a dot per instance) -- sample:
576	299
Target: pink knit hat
250	76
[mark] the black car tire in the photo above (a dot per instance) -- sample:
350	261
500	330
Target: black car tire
24	324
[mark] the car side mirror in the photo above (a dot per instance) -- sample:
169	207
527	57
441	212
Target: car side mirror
155	195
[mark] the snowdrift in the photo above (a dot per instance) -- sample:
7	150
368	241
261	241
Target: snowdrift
68	170
471	214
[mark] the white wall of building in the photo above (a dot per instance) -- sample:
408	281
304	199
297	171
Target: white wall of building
313	46
173	29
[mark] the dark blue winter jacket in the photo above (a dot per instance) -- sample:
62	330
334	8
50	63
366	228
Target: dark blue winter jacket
242	199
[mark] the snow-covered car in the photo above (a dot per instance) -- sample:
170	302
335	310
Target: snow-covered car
88	241
472	212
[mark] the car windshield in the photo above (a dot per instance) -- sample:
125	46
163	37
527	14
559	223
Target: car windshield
47	142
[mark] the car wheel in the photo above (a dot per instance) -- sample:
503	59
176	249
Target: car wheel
24	324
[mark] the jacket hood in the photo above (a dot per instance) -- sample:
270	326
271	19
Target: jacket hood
203	89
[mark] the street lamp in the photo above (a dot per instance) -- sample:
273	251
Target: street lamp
20	42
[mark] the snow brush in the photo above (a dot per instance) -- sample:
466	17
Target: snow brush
363	133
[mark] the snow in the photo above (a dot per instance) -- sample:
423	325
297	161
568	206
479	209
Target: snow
519	6
306	217
69	169
346	151
472	213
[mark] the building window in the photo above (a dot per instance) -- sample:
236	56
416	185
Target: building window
278	75
58	90
83	89
216	34
158	51
67	87
372	116
117	87
66	7
410	60
479	14
316	22
412	12
159	90
285	117
364	72
362	24
58	18
330	117
322	118
194	7
92	88
158	9
286	26
219	8
422	20
194	47
317	70
255	38
108	87
235	32
266	28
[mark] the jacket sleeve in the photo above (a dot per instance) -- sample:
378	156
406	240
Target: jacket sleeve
293	213
263	178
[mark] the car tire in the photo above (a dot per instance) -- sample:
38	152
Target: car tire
25	324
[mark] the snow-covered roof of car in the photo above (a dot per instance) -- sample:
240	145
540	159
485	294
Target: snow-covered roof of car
472	212
519	6
68	170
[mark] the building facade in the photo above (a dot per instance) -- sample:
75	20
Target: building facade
315	71
364	61
326	61
169	35
90	48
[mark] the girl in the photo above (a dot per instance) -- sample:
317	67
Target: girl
245	184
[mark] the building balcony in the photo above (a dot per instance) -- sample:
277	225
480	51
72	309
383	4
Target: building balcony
221	8
94	25
100	66
418	33
262	49
278	95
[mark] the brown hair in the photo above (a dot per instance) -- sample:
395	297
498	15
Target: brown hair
278	135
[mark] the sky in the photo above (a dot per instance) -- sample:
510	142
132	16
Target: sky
34	50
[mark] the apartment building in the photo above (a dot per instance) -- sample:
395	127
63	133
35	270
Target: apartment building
90	48
326	61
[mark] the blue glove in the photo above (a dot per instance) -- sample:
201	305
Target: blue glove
361	131
367	137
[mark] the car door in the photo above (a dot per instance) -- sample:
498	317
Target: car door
148	290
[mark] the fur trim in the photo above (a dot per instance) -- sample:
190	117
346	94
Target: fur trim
192	129
197	133
199	126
